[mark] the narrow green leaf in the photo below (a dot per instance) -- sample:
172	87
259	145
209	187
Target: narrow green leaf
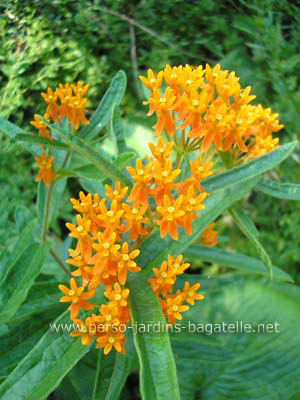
23	217
249	169
9	128
285	191
158	378
119	130
102	115
25	239
44	367
124	159
113	371
14	289
35	139
156	250
240	262
105	167
249	229
21	333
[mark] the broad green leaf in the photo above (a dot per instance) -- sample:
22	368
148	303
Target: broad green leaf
249	229
112	372
35	139
103	113
240	262
14	289
105	167
259	364
44	367
158	378
285	191
154	249
249	169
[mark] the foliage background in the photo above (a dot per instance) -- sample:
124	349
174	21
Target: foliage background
45	42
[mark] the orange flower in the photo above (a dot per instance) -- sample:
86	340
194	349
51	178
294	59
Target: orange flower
163	105
87	330
117	296
134	218
77	261
42	128
81	233
45	173
176	265
152	81
163	280
199	171
191	203
109	315
174	307
106	254
52	109
170	216
84	204
117	194
76	297
126	263
263	146
142	176
189	294
161	152
164	178
109	219
111	339
209	237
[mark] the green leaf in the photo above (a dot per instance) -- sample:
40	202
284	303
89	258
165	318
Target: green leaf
14	289
240	262
41	371
35	139
158	379
154	250
112	372
285	191
19	335
24	240
124	159
105	167
23	217
103	113
250	365
9	128
249	169
119	130
249	229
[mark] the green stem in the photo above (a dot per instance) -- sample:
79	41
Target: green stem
59	262
96	382
47	211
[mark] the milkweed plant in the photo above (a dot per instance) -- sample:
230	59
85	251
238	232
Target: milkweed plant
126	265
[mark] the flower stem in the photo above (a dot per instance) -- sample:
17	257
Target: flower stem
59	262
96	382
47	211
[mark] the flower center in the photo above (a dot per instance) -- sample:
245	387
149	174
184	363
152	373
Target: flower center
110	214
140	172
192	202
134	211
118	297
164	275
188	82
71	292
79	229
125	257
115	192
111	340
219	117
165	173
195	102
171	209
163	100
105	245
175	307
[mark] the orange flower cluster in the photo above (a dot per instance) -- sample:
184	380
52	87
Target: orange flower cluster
108	230
103	257
176	202
66	101
162	286
211	107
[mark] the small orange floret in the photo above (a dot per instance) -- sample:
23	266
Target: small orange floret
45	173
